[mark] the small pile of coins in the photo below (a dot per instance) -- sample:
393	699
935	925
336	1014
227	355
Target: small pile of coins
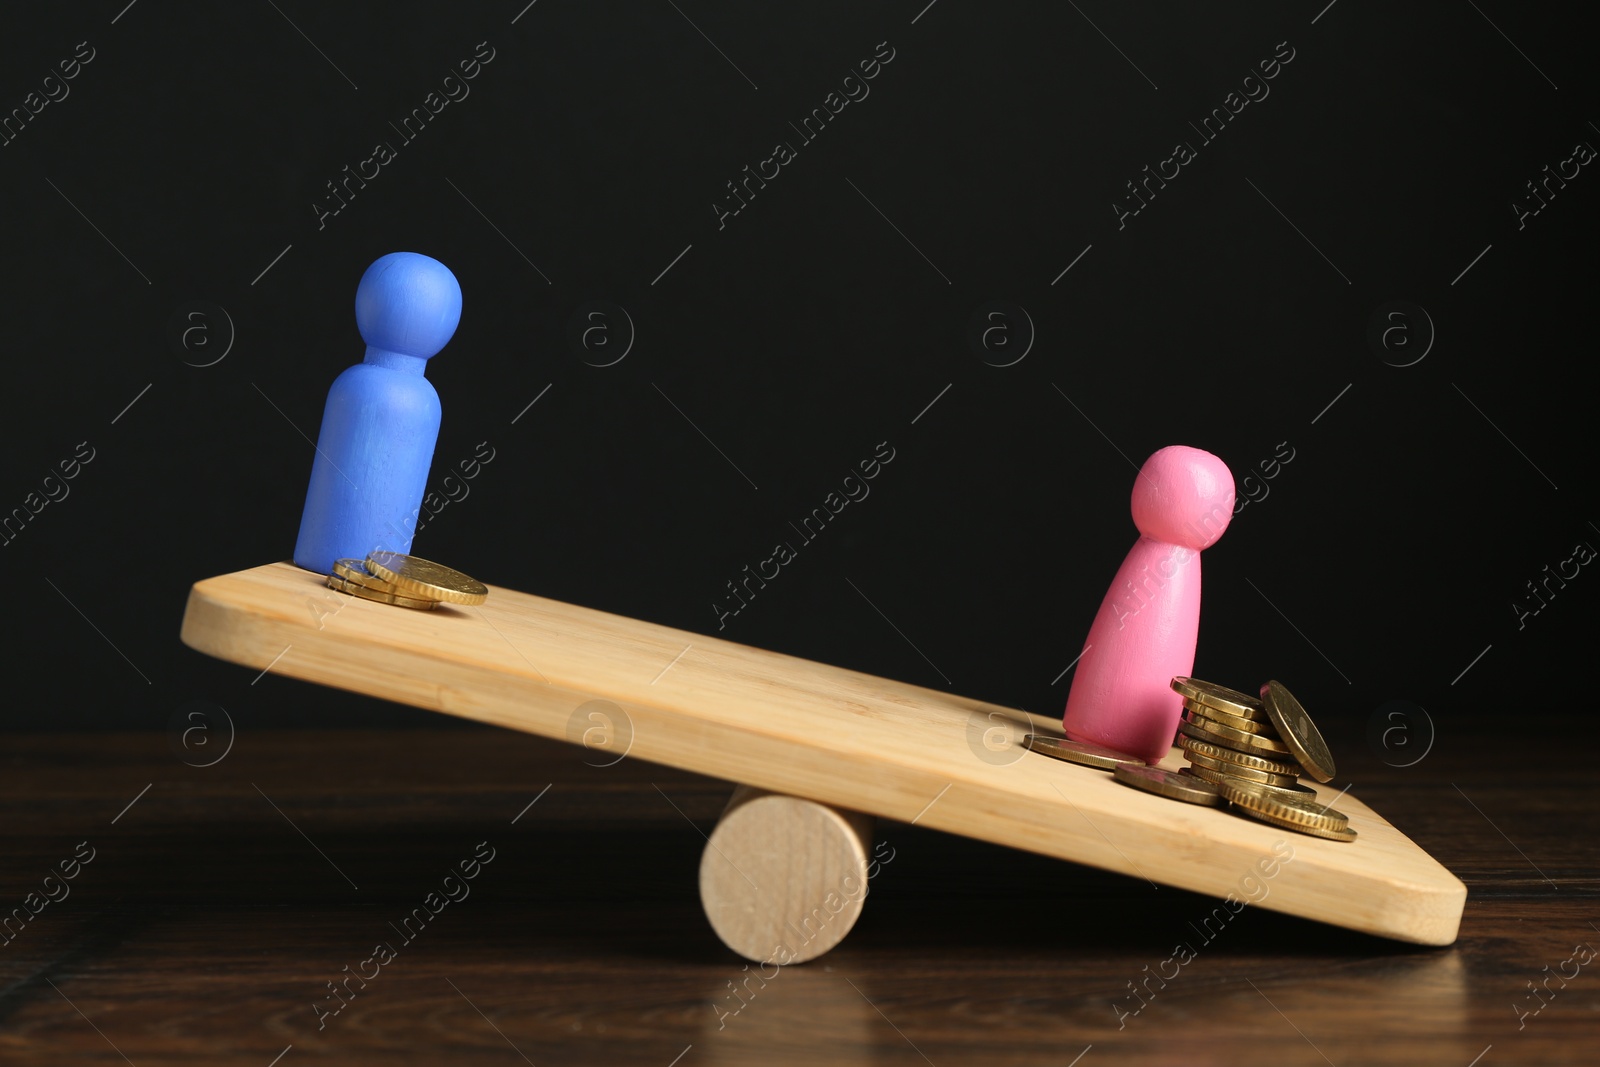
1244	752
1254	750
405	581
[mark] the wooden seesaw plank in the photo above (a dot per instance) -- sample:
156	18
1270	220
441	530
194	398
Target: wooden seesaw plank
810	730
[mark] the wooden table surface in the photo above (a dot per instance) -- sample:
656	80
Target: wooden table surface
214	911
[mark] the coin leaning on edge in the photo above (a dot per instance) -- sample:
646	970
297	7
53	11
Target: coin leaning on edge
1297	731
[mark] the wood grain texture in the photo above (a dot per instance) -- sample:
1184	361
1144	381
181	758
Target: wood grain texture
204	929
783	879
810	730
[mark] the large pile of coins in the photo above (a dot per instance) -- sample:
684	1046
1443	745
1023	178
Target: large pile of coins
405	581
1244	752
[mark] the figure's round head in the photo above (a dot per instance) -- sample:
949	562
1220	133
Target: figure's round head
408	303
1183	496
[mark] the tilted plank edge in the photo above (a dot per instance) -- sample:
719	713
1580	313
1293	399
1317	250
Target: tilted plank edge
793	726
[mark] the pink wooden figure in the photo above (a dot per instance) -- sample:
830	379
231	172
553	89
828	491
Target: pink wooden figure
1147	625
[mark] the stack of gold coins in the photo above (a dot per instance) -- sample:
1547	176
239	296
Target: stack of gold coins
405	581
1254	750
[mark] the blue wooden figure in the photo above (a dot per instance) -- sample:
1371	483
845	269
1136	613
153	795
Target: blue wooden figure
381	420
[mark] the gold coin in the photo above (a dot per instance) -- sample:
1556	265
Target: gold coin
1298	731
1244	759
366	592
1219	778
1259	787
415	576
1249	726
1203	729
1303	810
1171	784
1106	759
1220	697
1226	769
1218	773
354	570
1342	833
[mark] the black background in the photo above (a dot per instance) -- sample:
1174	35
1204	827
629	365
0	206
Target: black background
808	329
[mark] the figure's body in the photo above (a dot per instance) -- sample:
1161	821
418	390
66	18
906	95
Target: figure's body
1146	629
381	420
